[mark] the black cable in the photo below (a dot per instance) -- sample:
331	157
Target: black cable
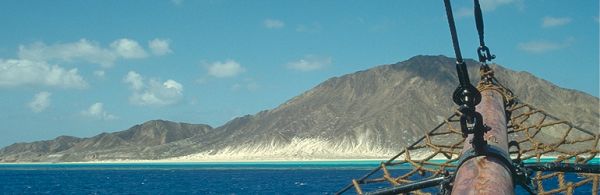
450	17
479	21
483	51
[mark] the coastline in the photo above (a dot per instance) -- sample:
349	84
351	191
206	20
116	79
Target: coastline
241	161
266	161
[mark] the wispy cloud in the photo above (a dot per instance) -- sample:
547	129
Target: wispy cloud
128	49
99	73
90	51
97	111
19	72
463	12
82	50
160	47
40	102
543	46
487	6
152	92
491	5
549	21
134	80
229	68
309	63
273	23
248	84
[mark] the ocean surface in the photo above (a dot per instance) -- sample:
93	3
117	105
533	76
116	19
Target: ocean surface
189	178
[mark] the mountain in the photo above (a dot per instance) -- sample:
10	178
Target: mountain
367	114
133	143
374	113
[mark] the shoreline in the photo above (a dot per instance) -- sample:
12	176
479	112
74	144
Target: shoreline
269	161
230	161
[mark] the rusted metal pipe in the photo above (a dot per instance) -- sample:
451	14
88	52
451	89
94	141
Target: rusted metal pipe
487	174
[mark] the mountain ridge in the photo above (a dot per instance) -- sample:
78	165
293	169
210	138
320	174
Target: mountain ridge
371	113
135	139
366	105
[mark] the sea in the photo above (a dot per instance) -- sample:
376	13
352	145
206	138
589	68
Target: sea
311	177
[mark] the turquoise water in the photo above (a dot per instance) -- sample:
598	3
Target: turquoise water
314	177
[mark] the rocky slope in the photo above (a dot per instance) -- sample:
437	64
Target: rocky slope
368	114
375	113
133	143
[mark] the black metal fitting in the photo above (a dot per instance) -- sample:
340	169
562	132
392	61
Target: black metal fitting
484	54
468	95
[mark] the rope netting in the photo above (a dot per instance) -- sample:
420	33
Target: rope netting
541	138
566	143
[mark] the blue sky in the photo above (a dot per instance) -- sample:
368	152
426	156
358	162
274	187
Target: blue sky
84	67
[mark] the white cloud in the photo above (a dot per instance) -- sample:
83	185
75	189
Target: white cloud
491	5
554	22
153	93
158	94
310	63
99	73
82	50
128	49
171	84
229	68
542	46
18	72
134	80
97	111
40	102
487	6
539	46
273	23
160	46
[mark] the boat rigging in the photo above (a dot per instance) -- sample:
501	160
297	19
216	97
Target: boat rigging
492	143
